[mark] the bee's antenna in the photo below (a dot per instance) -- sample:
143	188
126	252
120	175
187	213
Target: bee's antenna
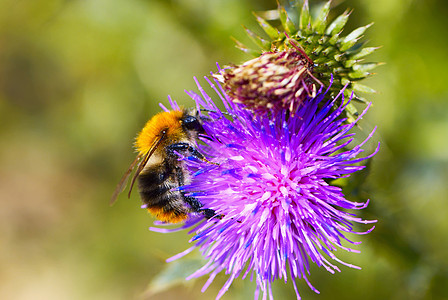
214	111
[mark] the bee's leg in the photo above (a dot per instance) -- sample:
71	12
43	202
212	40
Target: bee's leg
197	207
192	201
210	214
184	148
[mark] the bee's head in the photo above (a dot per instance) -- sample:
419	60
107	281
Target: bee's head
192	124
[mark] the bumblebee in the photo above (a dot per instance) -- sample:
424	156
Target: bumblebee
159	170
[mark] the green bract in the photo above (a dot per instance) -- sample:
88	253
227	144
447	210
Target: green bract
324	44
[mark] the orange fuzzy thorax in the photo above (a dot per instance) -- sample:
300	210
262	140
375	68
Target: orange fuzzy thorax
171	121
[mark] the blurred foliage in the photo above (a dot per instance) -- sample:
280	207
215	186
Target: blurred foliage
79	78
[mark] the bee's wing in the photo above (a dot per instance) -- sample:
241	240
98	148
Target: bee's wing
141	166
124	180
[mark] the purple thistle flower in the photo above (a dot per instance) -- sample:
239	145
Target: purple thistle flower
275	209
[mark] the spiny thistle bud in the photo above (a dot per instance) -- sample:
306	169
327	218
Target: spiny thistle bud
272	82
330	54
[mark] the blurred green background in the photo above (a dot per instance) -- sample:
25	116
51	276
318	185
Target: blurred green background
78	79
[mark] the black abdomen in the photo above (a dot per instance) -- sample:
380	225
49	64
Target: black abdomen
156	187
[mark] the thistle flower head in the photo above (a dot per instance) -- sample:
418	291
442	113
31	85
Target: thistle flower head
275	210
331	53
270	83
